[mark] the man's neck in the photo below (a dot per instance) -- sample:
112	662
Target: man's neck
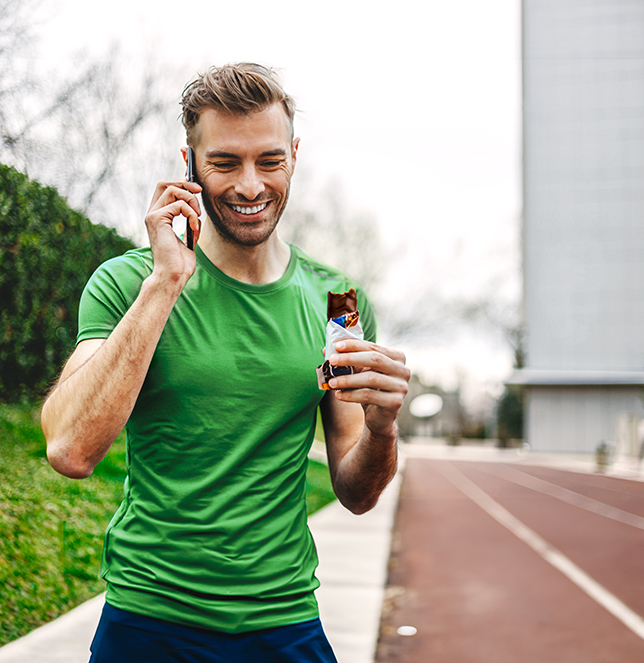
264	263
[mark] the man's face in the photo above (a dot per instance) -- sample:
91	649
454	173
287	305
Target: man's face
245	164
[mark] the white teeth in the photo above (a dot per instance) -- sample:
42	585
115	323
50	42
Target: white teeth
249	210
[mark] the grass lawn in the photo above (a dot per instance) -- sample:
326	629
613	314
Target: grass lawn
51	527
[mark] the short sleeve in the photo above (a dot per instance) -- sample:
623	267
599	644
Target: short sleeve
368	320
109	294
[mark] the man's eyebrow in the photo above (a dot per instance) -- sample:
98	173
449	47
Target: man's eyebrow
277	152
222	154
212	154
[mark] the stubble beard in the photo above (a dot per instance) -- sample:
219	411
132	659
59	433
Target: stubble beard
244	235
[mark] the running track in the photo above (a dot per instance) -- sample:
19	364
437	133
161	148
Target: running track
496	562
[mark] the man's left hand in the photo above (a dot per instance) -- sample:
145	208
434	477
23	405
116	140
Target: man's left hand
380	381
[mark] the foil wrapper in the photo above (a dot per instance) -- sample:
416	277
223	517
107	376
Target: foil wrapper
343	322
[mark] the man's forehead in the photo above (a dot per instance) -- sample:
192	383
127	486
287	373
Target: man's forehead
264	130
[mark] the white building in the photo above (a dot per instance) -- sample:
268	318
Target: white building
583	118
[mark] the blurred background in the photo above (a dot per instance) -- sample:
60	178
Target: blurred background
477	166
409	174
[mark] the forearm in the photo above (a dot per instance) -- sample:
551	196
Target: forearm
92	401
366	470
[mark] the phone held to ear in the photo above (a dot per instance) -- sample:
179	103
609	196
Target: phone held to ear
192	170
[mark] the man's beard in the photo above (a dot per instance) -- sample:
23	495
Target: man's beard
246	234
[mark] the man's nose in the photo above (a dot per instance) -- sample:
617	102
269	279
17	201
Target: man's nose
250	183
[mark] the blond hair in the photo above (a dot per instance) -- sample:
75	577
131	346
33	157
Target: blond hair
238	89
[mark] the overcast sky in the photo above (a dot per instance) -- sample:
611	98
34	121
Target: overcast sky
413	107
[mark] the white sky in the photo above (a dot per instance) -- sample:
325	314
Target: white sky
414	107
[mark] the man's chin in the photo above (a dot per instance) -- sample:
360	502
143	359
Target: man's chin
239	232
245	236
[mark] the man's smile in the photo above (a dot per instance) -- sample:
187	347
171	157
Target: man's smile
247	209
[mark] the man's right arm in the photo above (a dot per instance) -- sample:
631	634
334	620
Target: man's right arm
101	381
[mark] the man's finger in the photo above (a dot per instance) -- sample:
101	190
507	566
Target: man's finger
167	214
371	360
370	380
173	193
381	399
166	192
357	345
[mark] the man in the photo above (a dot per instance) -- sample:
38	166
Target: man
208	358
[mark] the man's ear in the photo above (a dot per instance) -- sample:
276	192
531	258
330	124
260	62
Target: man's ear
184	153
296	144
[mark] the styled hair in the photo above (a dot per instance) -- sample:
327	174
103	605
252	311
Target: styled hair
238	89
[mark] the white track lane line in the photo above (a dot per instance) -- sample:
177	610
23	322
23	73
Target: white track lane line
553	556
566	495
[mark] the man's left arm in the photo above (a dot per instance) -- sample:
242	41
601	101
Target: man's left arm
360	421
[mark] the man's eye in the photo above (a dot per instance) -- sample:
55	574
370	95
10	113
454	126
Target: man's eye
224	165
271	164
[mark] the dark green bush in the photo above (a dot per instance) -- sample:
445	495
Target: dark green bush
510	415
47	253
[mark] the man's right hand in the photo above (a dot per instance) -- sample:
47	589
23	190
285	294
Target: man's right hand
101	381
173	261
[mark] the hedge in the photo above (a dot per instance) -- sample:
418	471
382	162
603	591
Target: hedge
47	253
510	415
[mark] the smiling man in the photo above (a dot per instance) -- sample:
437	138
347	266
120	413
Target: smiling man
247	176
208	358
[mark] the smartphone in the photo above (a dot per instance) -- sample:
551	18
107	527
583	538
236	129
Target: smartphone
192	172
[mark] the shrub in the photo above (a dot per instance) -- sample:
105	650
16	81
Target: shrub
47	253
510	415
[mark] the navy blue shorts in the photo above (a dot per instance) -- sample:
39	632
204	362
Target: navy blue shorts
125	637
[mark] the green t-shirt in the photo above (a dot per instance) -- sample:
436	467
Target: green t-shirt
213	529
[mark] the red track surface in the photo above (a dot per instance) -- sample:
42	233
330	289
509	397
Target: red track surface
479	594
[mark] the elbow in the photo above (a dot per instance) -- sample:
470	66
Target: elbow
361	498
358	499
62	452
361	507
67	463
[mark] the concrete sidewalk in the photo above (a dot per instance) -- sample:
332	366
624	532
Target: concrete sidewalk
354	555
353	550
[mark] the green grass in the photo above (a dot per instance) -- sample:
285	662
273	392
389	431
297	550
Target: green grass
51	527
318	486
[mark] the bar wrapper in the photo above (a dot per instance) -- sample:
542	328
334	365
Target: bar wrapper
343	322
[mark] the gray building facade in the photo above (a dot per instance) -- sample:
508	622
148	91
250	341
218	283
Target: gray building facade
583	235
